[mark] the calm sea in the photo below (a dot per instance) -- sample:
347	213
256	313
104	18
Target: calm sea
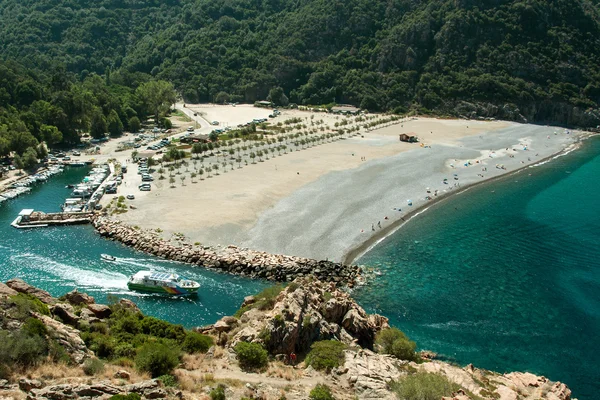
63	258
505	276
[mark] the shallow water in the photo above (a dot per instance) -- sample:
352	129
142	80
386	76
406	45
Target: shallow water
505	276
63	258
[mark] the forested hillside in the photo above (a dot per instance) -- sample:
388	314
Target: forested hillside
537	59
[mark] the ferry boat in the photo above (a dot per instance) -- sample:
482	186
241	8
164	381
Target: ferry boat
162	282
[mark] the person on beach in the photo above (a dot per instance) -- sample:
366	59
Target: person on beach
372	227
379	224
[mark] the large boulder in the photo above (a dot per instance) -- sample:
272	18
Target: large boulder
76	298
6	290
100	310
66	313
21	286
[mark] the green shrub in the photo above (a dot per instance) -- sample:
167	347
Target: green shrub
326	355
21	348
218	393
57	353
157	359
126	350
102	345
423	386
25	303
34	327
393	341
93	366
265	300
291	288
321	392
168	380
129	324
251	355
197	343
156	327
99	327
130	396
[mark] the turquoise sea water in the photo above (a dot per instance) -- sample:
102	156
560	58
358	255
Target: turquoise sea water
505	276
63	258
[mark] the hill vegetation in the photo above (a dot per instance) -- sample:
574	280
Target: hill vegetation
71	64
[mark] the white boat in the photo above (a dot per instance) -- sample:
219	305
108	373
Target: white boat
162	282
108	257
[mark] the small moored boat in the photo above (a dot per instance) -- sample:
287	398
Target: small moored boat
108	257
162	282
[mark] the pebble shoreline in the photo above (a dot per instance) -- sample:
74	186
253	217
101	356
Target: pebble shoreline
230	259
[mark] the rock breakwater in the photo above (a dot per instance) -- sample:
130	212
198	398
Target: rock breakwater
230	259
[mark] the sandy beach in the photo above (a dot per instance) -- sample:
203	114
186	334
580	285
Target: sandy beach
332	200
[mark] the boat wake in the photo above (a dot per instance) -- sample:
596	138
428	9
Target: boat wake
80	277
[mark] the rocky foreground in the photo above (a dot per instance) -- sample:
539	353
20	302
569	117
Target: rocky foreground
234	260
304	312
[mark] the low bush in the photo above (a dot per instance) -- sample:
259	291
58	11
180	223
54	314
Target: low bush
93	366
130	396
102	345
264	300
159	328
423	386
34	327
22	349
196	343
25	303
167	380
326	355
321	392
157	359
393	341
126	350
251	356
218	393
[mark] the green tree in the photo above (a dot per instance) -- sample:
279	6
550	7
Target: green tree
18	162
158	96
134	124
395	342
98	127
50	134
115	126
157	359
278	97
30	158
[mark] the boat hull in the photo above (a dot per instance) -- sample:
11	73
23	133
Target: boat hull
176	291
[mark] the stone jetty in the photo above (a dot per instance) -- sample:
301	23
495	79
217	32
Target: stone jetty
230	259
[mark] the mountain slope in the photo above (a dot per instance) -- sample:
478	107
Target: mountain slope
499	58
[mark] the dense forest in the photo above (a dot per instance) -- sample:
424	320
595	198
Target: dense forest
513	59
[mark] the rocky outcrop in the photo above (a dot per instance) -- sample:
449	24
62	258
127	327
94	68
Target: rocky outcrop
305	312
232	259
76	298
100	310
7	291
147	390
21	286
67	337
66	313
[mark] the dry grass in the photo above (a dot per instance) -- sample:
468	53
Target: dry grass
12	395
135	376
188	382
49	371
192	362
281	371
231	382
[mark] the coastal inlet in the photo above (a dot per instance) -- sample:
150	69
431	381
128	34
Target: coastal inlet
232	259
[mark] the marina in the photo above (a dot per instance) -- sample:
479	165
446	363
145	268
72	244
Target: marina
77	209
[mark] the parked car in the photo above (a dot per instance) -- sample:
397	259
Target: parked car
130	197
145	187
215	123
147	178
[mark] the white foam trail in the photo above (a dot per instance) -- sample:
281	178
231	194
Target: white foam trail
102	278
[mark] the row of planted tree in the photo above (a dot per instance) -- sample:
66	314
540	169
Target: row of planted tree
270	141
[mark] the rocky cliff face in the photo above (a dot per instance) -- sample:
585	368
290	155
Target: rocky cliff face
302	313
